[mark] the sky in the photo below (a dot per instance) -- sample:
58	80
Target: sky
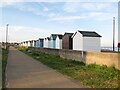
30	20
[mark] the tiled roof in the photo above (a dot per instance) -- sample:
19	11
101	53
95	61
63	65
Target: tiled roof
55	36
69	34
60	36
89	34
41	39
48	38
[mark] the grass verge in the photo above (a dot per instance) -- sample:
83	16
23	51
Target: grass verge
93	75
4	62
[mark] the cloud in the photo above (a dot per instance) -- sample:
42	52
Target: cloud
24	7
97	16
96	11
11	2
72	7
76	0
45	9
67	18
20	33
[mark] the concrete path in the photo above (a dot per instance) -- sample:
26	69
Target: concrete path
25	72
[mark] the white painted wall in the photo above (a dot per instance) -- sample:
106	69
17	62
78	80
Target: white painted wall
21	44
25	44
78	42
91	44
28	44
33	43
58	43
46	43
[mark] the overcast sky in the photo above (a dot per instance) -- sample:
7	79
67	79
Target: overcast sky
38	18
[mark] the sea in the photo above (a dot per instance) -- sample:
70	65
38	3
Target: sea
109	48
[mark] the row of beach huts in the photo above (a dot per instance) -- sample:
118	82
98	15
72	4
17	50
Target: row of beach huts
80	40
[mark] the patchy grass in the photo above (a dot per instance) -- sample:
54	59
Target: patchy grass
93	75
4	62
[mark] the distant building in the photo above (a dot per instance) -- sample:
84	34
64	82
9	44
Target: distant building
33	43
67	41
29	43
22	44
26	43
40	43
86	41
46	42
37	43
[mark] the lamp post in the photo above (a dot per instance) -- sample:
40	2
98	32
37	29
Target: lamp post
6	35
113	33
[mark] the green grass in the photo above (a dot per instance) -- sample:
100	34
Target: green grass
93	75
4	62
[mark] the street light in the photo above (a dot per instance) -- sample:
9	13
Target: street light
6	34
113	33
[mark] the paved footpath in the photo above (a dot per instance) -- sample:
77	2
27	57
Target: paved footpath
25	72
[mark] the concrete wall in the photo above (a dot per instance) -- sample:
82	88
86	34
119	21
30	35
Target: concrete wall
100	58
70	54
48	50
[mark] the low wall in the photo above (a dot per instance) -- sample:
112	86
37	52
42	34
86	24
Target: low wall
72	54
48	50
100	58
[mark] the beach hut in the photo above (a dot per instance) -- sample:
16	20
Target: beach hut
37	43
33	43
67	41
26	43
29	43
53	40
86	41
40	43
118	46
59	42
46	42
